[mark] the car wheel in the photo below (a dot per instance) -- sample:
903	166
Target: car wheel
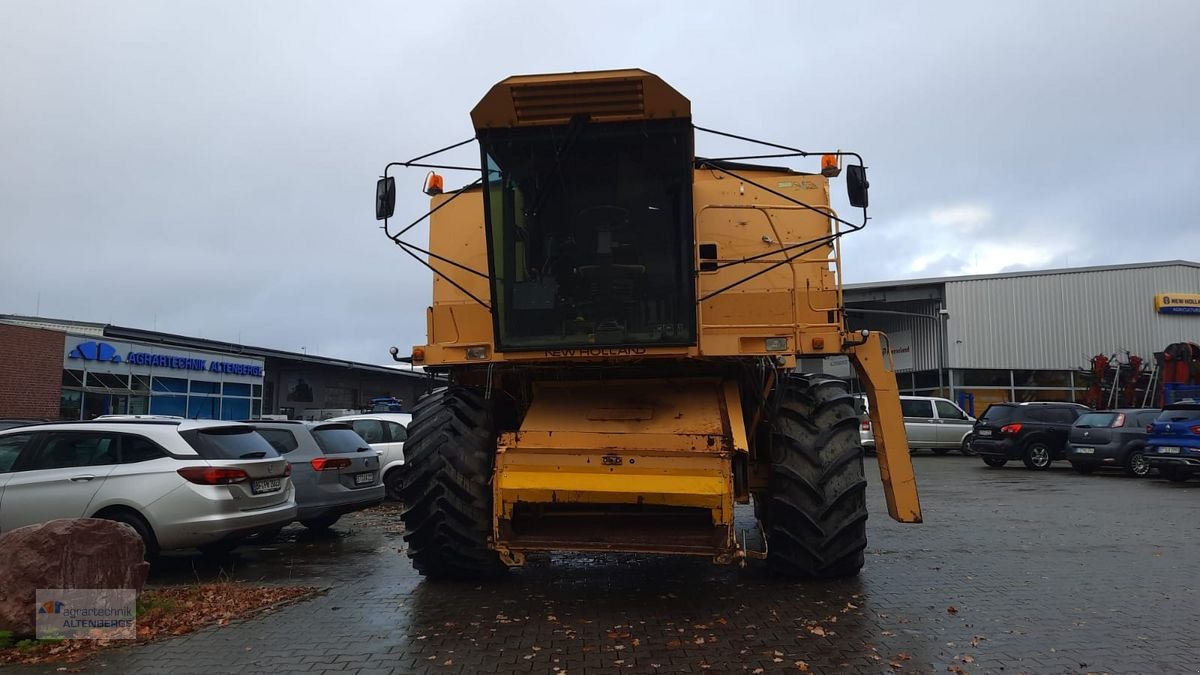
1084	469
139	525
965	448
1037	456
1175	475
391	484
322	523
1137	465
995	462
940	451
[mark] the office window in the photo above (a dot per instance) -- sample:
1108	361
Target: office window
205	387
168	405
235	408
108	380
70	404
236	389
204	408
172	384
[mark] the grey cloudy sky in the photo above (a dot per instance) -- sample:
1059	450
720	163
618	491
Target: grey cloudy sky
208	168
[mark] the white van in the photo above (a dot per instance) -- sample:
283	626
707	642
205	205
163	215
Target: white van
929	422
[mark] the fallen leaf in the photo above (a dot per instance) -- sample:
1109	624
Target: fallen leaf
952	609
817	630
699	640
674	644
802	666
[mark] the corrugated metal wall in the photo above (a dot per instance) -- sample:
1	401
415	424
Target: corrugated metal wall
923	332
1059	321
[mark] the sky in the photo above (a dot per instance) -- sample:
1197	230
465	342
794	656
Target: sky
208	168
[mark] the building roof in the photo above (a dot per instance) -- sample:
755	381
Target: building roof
174	340
930	281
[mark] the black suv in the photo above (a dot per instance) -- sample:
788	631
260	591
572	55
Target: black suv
1035	433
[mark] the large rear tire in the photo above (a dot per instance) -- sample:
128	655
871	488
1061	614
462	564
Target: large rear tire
446	486
816	499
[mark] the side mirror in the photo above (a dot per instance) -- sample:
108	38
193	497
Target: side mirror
857	185
385	198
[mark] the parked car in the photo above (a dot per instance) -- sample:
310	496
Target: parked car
1035	433
13	423
929	422
386	432
1173	441
1111	438
178	483
334	470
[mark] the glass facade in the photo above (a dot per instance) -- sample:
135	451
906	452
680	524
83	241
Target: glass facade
91	388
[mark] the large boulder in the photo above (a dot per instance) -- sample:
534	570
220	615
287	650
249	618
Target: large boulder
82	553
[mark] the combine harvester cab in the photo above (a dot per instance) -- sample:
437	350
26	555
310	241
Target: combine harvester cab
620	322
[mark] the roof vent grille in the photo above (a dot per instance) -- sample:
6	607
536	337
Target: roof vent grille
596	99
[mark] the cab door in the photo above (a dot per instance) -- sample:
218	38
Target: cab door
56	476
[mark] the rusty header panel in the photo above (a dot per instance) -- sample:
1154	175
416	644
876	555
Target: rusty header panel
602	95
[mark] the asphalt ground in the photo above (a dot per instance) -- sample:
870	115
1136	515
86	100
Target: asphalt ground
1013	572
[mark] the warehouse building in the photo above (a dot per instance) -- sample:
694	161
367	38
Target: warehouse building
1027	336
56	369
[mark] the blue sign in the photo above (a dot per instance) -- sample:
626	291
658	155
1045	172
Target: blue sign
102	351
95	351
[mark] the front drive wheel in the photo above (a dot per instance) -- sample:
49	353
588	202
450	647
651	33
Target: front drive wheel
1037	456
816	499
446	486
995	462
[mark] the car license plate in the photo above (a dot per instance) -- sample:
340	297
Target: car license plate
1168	450
265	485
364	478
1085	451
985	432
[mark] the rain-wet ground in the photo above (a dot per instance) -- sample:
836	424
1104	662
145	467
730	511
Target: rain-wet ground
1013	571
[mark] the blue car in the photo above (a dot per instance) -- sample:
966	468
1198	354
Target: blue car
1173	441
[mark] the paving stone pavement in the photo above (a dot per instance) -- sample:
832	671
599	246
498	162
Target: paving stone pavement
1013	572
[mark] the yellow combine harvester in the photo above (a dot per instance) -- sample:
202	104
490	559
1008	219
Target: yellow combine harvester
620	322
